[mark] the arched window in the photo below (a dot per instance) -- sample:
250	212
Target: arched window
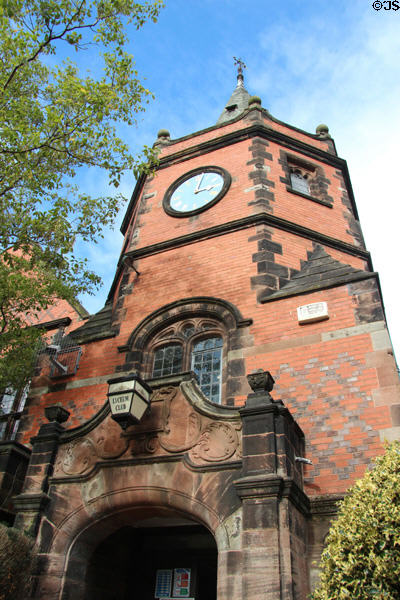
196	345
186	323
207	364
299	181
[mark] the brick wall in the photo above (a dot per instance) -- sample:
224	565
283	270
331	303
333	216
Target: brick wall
337	376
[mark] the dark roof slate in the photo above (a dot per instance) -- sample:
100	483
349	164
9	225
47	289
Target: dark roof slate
97	327
319	272
237	103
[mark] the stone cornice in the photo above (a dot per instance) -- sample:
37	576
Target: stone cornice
112	463
276	406
325	505
256	130
245	223
324	285
12	447
259	486
295	494
31	502
272	486
244	114
202	405
205	468
82	430
48	432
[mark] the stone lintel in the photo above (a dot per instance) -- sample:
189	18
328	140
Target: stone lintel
174	380
325	505
259	486
31	502
267	486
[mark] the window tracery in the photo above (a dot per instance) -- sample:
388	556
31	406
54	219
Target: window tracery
196	345
186	322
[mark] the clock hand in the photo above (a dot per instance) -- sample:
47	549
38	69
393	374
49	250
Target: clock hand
205	189
198	184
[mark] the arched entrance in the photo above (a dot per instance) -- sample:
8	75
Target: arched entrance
143	562
144	554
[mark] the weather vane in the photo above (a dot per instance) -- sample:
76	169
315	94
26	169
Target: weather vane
240	65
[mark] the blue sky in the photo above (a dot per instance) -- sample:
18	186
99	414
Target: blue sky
313	61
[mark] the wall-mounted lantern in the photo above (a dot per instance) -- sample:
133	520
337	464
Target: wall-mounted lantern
129	398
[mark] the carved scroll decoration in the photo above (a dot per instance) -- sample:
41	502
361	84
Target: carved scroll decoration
218	442
145	444
79	456
205	440
177	427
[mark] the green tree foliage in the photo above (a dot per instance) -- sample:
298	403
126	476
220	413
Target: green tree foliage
17	559
362	557
55	120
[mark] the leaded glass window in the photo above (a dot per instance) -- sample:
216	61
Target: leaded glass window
167	360
299	182
207	364
12	403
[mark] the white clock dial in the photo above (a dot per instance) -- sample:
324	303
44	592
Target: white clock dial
196	190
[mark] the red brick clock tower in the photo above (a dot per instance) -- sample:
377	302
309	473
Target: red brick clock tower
243	264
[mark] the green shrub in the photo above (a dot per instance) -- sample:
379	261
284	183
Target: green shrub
17	556
362	557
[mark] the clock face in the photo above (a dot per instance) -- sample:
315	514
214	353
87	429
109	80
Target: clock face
195	191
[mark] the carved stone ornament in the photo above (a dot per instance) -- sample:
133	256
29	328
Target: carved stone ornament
146	443
261	381
79	456
218	442
56	413
206	440
176	425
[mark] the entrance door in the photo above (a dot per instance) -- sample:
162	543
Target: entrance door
145	563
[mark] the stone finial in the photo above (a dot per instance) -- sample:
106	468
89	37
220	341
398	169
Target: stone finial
56	413
163	137
261	381
254	101
323	131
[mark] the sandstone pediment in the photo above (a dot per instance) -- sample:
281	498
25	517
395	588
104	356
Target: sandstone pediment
181	425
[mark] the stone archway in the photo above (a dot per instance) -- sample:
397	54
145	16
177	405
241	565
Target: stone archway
118	557
95	491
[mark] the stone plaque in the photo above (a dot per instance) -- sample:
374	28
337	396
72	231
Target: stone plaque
310	313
